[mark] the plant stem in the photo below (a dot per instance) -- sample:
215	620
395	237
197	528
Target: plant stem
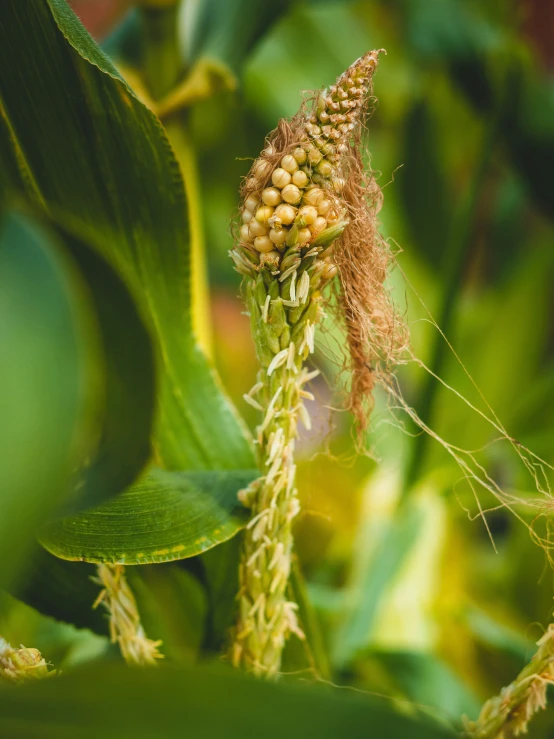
519	701
162	59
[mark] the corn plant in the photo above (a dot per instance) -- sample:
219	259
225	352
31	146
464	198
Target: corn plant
136	504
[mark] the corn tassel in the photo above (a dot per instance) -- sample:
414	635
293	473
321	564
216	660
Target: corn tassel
126	629
293	211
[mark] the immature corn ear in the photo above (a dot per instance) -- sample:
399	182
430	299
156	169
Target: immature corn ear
17	665
302	203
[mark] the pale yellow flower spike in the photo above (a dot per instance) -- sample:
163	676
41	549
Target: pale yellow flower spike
125	626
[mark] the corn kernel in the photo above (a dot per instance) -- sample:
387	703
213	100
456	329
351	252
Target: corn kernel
261	169
278	236
300	179
314	156
291	194
308	213
300	155
251	202
318	225
271	196
330	270
323	206
263	244
245	234
247	216
325	168
280	177
313	196
257	228
304	235
289	163
264	213
286	213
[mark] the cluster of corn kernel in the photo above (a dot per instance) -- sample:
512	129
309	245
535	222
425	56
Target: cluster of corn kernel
294	205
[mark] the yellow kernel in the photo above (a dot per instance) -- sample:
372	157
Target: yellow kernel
300	179
338	184
313	196
318	225
280	177
286	213
314	156
264	213
291	194
251	202
261	169
245	234
257	228
278	236
271	196
300	155
289	163
323	206
330	270
325	168
263	244
304	235
308	213
247	216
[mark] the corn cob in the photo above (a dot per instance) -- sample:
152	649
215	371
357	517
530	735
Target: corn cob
294	212
125	627
17	665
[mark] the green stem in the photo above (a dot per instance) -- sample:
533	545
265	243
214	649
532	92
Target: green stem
162	59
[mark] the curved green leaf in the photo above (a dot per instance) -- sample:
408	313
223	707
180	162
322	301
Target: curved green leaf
50	370
114	702
164	517
93	154
101	158
124	445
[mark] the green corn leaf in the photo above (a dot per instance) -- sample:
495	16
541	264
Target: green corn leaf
164	517
101	158
124	445
89	151
115	702
50	379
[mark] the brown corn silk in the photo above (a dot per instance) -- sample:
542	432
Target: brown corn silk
309	214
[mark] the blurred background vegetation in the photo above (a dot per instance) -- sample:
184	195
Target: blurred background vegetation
416	597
